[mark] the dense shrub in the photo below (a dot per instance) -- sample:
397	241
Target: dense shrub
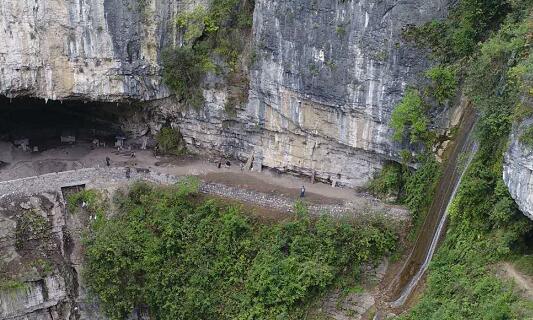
413	188
458	36
443	83
420	187
388	182
170	141
183	73
409	118
185	257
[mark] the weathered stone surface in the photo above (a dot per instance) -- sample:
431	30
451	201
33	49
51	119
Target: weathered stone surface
325	77
35	282
84	49
518	170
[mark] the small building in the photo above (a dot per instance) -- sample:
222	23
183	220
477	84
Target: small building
23	143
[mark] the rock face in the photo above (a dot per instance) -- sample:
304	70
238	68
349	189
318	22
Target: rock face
84	49
328	75
37	280
325	77
518	170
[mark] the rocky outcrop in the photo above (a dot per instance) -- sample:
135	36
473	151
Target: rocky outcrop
328	75
324	79
518	170
84	49
36	279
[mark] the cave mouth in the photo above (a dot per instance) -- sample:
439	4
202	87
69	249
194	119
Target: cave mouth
48	124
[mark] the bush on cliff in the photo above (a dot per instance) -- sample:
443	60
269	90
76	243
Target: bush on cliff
185	257
213	40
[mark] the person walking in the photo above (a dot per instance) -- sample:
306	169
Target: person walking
108	161
302	192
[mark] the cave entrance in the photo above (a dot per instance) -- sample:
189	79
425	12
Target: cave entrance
36	124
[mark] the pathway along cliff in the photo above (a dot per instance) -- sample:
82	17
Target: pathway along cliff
404	283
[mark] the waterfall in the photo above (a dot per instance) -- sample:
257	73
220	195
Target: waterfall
408	289
416	264
401	287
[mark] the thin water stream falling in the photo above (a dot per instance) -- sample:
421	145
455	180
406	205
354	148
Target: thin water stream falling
402	285
408	289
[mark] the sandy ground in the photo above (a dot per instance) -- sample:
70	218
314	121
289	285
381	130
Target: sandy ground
19	164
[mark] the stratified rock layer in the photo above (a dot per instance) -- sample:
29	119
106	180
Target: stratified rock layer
324	78
84	49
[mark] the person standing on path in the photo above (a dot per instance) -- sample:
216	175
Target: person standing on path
302	192
108	161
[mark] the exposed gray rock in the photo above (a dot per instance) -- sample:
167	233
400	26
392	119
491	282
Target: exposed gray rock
328	75
325	78
518	170
84	49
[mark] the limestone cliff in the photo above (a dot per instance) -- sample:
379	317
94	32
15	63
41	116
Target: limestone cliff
518	170
328	75
84	49
324	78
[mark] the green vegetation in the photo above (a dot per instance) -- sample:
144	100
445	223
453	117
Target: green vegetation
524	264
186	257
409	118
92	198
459	36
170	141
526	137
412	188
213	40
184	71
389	182
11	284
485	225
30	225
420	187
443	83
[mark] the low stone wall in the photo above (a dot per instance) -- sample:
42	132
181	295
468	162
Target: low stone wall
97	178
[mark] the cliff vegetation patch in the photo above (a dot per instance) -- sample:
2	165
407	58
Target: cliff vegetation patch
187	257
213	40
489	43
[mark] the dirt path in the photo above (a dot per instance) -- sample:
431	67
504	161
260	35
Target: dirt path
271	184
523	282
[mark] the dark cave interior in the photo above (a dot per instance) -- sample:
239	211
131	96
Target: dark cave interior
47	124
